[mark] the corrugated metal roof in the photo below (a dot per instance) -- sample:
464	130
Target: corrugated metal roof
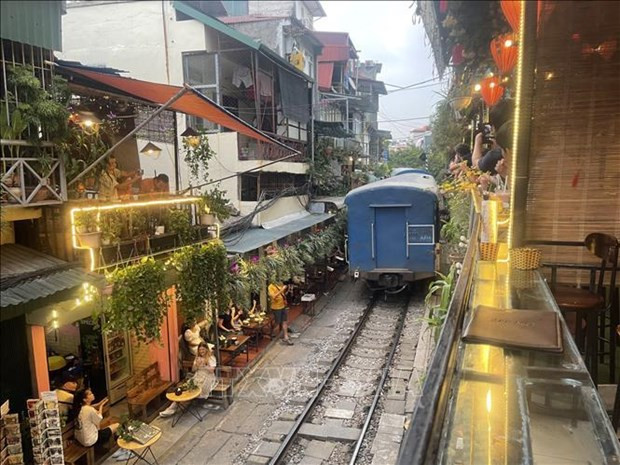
248	19
258	237
29	275
35	23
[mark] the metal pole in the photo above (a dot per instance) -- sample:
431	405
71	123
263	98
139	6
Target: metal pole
177	173
523	122
131	133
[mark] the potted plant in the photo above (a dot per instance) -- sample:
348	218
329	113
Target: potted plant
86	229
214	204
111	227
179	221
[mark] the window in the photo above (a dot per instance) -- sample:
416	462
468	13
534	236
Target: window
249	188
200	70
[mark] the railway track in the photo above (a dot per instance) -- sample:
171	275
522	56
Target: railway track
360	371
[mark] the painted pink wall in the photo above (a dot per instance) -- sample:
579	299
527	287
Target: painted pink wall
165	352
39	358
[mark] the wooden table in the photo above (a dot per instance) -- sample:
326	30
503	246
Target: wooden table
235	349
256	330
187	398
139	451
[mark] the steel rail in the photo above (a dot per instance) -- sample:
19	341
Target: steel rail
288	440
375	400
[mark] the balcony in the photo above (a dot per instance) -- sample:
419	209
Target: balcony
31	178
251	149
124	232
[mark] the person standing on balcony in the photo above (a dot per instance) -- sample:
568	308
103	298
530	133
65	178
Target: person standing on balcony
160	184
111	181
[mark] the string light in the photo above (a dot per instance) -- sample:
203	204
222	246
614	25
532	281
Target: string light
549	75
477	88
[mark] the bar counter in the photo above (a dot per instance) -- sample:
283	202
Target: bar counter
507	406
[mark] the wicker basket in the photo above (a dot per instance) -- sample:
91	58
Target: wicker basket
525	258
488	251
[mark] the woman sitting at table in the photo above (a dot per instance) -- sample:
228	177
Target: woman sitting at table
88	419
227	322
204	376
191	335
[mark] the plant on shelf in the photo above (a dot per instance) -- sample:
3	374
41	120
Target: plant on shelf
214	202
111	227
138	301
198	153
86	229
179	221
202	275
438	298
139	221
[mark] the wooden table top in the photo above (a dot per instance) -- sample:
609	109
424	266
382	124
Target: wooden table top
185	395
240	341
135	445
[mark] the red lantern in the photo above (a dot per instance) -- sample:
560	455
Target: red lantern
504	52
491	90
512	12
443	6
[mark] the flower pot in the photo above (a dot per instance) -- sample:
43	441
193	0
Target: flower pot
206	219
92	240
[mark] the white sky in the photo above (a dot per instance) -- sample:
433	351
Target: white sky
384	31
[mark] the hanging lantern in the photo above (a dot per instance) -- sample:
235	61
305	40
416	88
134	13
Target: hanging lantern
491	90
512	12
457	55
504	51
460	103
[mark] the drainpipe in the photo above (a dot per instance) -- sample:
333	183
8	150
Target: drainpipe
163	19
523	122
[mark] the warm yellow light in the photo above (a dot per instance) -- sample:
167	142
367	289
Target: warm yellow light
477	88
549	75
55	324
508	43
207	209
491	74
489	401
517	121
54	314
78	302
491	85
505	79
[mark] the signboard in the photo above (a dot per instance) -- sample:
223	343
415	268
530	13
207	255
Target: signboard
421	234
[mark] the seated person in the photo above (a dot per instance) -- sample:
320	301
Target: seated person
158	184
226	323
114	182
87	420
191	335
204	376
65	395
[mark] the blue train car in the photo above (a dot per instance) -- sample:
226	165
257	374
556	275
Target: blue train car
398	171
393	226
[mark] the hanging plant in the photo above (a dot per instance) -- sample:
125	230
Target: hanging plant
197	156
214	202
202	277
138	301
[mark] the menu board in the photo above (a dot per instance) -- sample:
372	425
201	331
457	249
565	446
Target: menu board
11	451
45	429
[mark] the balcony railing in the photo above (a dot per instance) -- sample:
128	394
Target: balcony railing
250	149
124	232
32	181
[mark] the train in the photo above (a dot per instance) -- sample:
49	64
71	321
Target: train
393	229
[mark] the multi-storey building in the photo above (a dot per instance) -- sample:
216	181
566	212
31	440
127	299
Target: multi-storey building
262	74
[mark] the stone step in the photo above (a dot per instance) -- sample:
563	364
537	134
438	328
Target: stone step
329	432
266	449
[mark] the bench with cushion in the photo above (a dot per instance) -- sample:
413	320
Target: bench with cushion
146	389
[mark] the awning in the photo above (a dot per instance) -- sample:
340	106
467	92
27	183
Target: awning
326	71
191	103
32	277
254	238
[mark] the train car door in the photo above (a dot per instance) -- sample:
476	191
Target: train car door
390	233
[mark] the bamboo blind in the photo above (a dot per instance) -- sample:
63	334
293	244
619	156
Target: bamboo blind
574	162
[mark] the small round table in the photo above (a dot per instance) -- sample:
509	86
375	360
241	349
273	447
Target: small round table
187	397
138	450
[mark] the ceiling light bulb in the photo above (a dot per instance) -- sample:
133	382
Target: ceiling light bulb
508	43
477	87
491	85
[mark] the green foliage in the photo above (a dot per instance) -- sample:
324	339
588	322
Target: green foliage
448	131
139	222
86	221
111	224
36	108
325	171
197	156
138	302
202	276
458	203
179	221
215	203
406	158
444	287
